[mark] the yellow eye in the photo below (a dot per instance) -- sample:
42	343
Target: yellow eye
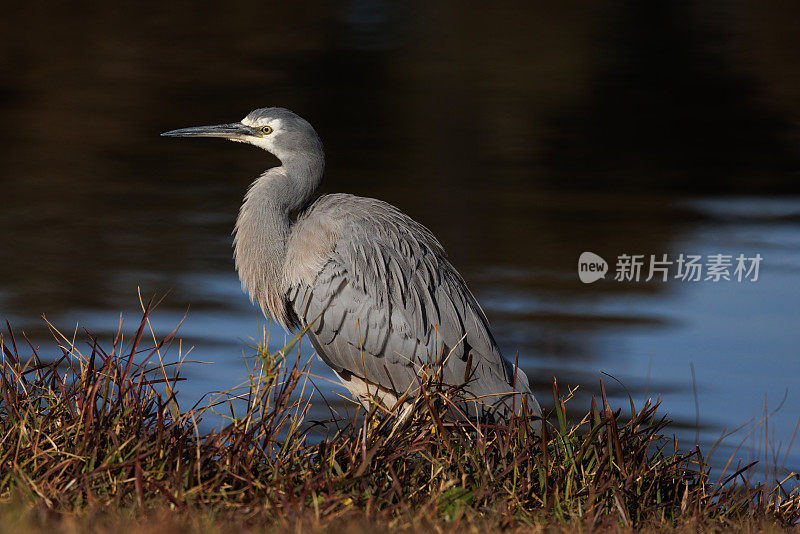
266	130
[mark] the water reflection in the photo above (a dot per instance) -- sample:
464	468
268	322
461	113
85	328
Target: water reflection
521	138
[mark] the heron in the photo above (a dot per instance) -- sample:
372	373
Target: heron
371	287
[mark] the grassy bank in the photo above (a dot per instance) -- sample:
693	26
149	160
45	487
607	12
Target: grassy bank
94	438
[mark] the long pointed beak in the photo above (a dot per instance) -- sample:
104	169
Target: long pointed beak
235	130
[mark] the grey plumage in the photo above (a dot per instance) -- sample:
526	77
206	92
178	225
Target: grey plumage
374	287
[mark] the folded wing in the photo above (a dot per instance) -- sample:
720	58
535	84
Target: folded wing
384	302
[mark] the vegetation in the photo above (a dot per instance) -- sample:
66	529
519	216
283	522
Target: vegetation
96	439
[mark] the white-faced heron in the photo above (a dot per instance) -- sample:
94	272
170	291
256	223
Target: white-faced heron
373	287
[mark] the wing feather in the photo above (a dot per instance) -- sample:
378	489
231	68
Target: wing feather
386	301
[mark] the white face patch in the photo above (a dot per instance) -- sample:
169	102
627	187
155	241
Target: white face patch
262	141
266	141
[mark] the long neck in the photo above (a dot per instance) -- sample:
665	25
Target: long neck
264	225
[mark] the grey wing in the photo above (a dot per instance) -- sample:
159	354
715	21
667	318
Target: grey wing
386	303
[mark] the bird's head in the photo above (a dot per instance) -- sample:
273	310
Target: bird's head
276	130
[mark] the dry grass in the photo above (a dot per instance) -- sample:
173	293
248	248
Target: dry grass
96	440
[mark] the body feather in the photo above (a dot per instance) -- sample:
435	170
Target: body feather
385	302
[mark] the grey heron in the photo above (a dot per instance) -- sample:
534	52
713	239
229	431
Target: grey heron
372	287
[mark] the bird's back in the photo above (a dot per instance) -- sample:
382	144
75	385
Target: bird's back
383	302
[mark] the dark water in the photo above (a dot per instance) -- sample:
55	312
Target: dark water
520	137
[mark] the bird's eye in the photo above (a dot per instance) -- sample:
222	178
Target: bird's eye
266	130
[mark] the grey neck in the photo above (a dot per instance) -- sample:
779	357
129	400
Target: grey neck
264	225
303	173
